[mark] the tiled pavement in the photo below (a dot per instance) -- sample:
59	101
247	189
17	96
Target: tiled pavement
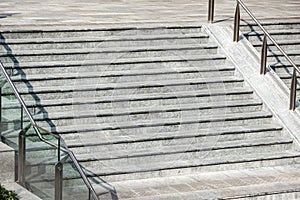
35	13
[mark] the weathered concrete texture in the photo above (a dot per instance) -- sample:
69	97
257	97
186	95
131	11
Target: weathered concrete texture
121	12
7	166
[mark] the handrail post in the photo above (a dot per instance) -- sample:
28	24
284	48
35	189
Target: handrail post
293	91
21	158
263	63
211	9
237	18
58	180
0	114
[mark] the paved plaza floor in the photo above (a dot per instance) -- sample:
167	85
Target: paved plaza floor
106	13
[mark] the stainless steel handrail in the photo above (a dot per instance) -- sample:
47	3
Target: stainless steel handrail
66	149
264	50
264	46
269	36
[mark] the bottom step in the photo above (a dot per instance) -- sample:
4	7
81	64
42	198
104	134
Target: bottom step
262	183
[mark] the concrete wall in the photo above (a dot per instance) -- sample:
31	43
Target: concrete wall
7	163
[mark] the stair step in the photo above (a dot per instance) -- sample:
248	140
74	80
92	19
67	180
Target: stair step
198	149
181	167
41	44
103	73
104	139
130	88
98	32
118	53
257	35
200	122
121	111
186	58
282	182
200	95
102	76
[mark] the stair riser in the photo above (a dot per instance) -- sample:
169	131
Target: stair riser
87	149
211	168
125	79
147	133
87	67
116	164
104	44
113	56
281	59
175	127
161	115
102	68
174	100
80	34
116	92
277	37
269	27
286	47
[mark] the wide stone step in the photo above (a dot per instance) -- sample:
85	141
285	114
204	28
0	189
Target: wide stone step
92	54
269	26
81	141
105	32
145	170
88	66
270	182
183	152
97	148
169	97
124	76
130	88
41	44
196	60
114	115
200	122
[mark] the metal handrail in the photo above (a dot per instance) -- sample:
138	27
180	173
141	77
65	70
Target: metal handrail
264	47
36	127
269	36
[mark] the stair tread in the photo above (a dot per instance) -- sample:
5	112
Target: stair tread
104	38
279	41
132	49
263	181
163	122
173	149
122	72
184	58
166	165
273	32
141	110
146	96
127	85
116	139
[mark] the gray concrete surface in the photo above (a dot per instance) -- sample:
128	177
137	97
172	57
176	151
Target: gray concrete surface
7	167
36	13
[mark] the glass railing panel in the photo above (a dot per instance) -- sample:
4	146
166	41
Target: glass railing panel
11	112
73	184
40	158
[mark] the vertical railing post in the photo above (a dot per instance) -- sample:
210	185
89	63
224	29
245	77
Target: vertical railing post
293	91
21	158
237	17
58	180
263	64
1	114
211	10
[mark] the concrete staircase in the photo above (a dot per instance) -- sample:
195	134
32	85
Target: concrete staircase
141	103
287	35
